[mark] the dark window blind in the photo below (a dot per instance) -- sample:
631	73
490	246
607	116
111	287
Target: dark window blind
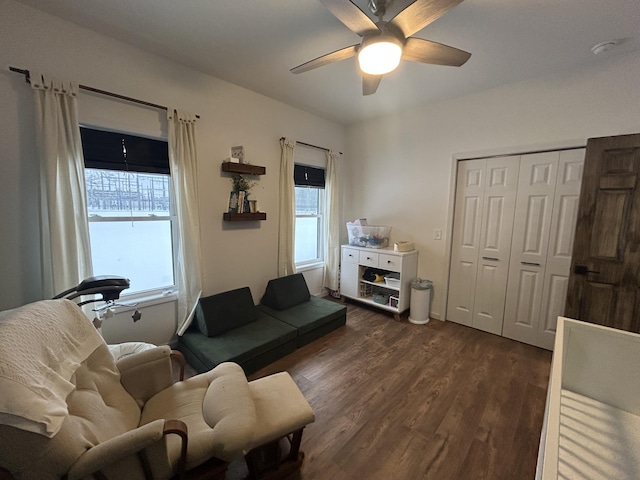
119	151
306	176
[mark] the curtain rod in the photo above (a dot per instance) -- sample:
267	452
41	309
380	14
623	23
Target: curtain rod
312	146
27	77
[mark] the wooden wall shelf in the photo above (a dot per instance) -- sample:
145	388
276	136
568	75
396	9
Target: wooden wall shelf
243	168
244	217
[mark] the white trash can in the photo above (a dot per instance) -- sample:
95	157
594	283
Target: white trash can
420	301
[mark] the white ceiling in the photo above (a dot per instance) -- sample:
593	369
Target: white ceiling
254	44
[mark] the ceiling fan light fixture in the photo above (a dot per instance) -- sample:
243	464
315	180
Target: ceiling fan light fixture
380	56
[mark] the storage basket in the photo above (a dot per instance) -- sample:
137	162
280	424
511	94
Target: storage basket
365	290
369	236
403	247
392	280
381	298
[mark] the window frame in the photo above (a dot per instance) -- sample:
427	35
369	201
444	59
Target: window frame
171	217
320	234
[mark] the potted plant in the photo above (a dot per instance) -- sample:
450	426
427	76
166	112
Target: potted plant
241	189
241	184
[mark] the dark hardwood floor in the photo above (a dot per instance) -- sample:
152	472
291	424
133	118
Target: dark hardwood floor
395	400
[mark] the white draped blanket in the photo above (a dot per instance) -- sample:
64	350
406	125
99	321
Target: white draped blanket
41	346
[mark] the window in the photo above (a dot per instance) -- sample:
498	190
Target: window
129	200
309	190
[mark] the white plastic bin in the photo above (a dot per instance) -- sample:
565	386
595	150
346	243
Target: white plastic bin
420	301
370	236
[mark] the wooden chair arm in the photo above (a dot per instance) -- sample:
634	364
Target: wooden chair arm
178	357
178	427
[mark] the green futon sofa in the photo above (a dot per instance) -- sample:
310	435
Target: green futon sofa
229	328
288	299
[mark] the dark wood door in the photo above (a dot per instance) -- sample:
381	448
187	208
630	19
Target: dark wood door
605	272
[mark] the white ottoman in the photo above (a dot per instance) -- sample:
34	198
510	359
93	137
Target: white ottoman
281	412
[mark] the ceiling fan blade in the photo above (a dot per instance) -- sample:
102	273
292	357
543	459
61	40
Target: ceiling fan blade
336	56
420	14
352	16
370	83
426	51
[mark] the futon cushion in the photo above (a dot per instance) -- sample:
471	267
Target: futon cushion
225	311
286	292
308	315
241	345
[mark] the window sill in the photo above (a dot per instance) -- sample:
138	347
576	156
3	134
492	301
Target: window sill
146	299
309	266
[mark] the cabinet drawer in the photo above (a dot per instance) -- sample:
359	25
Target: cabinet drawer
390	262
370	259
350	255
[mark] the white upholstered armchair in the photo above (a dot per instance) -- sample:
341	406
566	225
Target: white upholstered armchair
68	409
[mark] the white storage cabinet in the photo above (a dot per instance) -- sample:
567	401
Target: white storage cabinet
355	260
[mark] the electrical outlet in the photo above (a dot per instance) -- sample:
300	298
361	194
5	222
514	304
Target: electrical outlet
437	234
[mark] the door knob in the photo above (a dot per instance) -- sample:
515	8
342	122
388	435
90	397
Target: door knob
583	270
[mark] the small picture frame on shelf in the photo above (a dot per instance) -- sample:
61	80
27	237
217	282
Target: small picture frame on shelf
238	152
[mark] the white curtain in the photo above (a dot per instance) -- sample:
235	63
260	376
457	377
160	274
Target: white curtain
286	232
332	223
184	179
64	231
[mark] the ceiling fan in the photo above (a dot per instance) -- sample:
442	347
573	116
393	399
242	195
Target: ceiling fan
384	43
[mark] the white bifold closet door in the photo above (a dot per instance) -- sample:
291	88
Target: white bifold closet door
514	222
544	227
485	203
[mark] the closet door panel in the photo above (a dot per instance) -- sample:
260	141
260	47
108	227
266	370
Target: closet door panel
532	223
534	206
495	243
525	303
488	309
563	226
554	296
465	240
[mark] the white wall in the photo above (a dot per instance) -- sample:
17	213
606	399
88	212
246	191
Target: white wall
398	168
401	166
234	255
